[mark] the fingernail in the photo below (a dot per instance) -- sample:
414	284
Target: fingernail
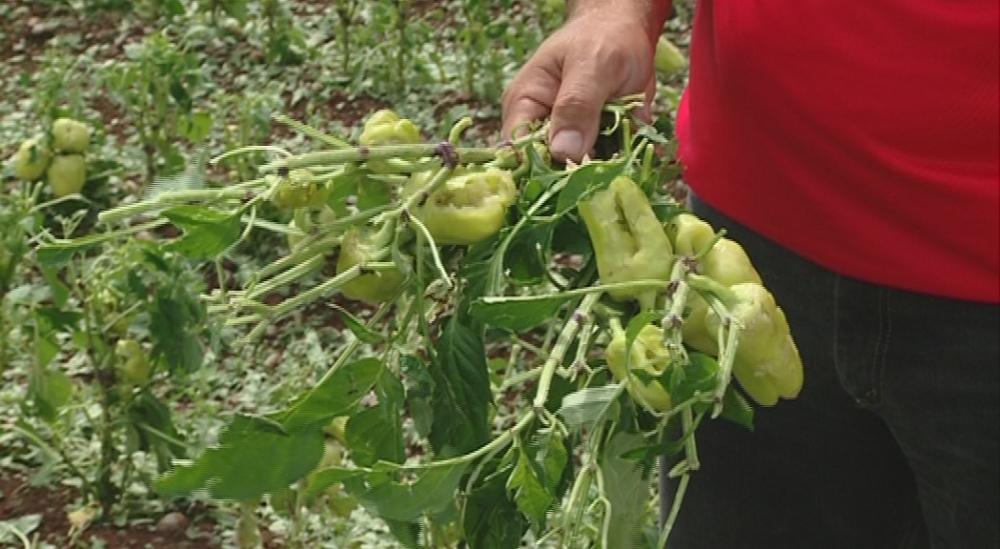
567	144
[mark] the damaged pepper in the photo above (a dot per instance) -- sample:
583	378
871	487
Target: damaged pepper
385	127
648	357
467	208
359	247
300	189
628	240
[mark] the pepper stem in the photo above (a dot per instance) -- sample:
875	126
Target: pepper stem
707	285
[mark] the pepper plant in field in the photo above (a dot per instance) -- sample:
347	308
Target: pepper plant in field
542	333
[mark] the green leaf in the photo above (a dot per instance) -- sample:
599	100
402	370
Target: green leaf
57	319
491	519
235	8
529	492
257	455
584	407
207	232
162	439
48	392
666	446
60	292
248	462
431	492
586	180
700	374
419	393
373	193
172	324
324	478
197	126
735	408
23	524
526	258
342	188
55	254
553	457
376	434
408	533
626	487
461	388
517	313
357	327
336	396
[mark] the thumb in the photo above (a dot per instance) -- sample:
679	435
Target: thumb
576	112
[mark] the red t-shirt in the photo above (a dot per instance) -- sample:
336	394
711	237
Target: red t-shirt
862	136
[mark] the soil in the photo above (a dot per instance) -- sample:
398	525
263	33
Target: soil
19	498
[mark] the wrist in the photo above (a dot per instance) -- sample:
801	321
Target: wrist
648	14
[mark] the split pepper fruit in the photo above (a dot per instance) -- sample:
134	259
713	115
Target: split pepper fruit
385	127
628	240
467	208
767	364
299	189
648	356
358	247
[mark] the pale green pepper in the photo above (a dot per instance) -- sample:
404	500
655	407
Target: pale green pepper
628	240
647	355
300	189
668	58
70	136
385	127
688	234
467	208
358	247
31	159
767	362
726	263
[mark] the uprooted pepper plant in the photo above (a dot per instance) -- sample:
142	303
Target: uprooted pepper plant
542	333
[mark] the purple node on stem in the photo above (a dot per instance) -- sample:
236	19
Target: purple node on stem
671	288
447	153
690	263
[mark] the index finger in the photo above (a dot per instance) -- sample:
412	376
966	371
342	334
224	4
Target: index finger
529	97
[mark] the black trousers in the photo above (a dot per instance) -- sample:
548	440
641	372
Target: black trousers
893	441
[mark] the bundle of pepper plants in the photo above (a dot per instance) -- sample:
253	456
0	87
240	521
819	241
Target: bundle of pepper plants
544	332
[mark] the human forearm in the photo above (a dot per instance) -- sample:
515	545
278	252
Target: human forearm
652	13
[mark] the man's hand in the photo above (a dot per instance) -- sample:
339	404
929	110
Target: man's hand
604	51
